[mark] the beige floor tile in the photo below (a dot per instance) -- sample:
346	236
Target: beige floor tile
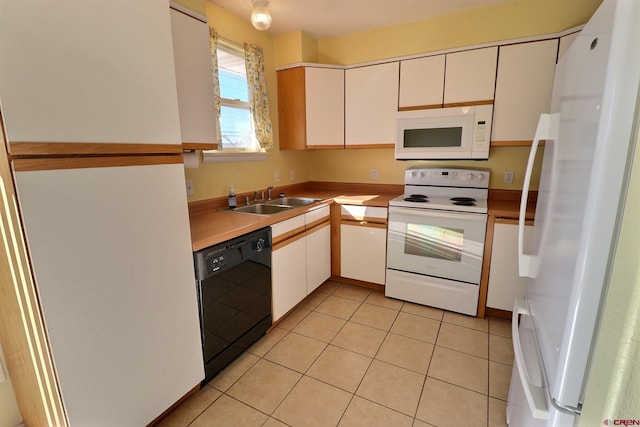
408	353
466	321
234	371
313	300
375	316
296	352
272	422
417	327
328	287
264	386
418	423
265	343
391	386
362	412
359	338
500	349
357	293
444	404
460	369
320	326
338	307
191	408
497	413
463	339
378	298
499	326
229	412
292	319
340	368
423	310
499	380
313	403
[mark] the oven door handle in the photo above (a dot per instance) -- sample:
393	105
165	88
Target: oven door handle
547	129
393	210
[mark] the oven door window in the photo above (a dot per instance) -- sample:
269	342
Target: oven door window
433	241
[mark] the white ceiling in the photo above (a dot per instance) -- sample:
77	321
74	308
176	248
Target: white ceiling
329	18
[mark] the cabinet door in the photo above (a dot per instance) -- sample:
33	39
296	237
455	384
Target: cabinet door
523	89
371	105
505	285
318	257
470	75
422	82
89	72
324	93
289	275
192	58
363	253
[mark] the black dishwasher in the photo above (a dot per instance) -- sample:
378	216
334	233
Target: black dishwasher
234	297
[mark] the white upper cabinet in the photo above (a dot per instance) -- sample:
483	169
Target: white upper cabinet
523	89
371	104
470	75
192	58
94	71
565	42
422	82
324	92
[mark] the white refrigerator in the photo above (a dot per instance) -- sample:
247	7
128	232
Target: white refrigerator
590	137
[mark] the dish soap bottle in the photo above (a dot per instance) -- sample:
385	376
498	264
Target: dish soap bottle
232	197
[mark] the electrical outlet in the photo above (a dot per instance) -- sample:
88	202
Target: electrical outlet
293	175
276	176
508	177
374	174
189	187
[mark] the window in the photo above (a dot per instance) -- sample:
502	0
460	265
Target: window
236	123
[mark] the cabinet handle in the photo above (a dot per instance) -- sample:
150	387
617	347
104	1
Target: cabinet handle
547	129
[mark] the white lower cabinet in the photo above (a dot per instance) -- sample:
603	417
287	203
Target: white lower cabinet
505	284
301	258
363	243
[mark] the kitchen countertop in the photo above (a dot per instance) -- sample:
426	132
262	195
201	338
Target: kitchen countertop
212	224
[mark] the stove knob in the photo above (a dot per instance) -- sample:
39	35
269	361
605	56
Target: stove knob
470	177
481	177
412	174
421	174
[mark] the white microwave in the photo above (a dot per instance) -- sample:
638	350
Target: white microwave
445	133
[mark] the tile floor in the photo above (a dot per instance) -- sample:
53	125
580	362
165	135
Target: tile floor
349	356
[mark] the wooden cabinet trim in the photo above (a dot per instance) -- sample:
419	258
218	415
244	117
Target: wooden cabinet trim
469	104
292	117
314	225
199	146
38	164
365	222
486	263
69	149
288	237
357	146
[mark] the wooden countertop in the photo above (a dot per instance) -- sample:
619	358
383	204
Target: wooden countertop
211	224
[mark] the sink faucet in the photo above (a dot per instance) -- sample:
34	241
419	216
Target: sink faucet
269	188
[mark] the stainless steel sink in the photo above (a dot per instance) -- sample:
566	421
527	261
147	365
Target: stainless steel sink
293	201
262	209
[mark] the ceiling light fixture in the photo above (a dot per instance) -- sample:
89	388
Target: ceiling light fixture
260	16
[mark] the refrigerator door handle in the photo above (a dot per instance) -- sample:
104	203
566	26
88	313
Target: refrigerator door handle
547	129
535	394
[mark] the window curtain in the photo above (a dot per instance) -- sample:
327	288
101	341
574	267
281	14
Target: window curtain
254	62
213	43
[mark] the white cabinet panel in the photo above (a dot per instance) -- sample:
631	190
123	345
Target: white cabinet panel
324	94
371	104
505	285
470	75
192	58
422	81
94	71
363	253
111	255
318	257
523	89
289	275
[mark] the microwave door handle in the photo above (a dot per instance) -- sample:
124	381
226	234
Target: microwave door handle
547	129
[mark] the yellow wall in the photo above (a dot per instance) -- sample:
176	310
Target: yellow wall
506	21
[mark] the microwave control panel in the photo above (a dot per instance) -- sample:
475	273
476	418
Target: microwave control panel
482	128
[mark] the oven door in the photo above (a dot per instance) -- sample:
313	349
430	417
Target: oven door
441	244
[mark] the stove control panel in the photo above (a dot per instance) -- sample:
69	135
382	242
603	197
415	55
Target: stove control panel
448	177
